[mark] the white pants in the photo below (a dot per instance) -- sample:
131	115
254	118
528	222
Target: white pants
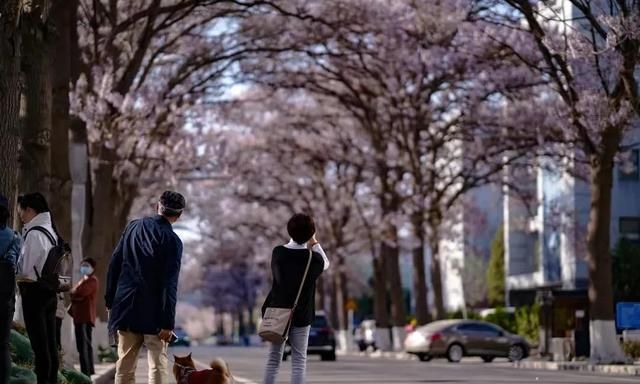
299	341
129	345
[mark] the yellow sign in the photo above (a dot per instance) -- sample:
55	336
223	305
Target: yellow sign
351	305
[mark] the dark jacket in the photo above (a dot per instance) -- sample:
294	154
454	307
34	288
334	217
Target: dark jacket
142	281
287	268
83	301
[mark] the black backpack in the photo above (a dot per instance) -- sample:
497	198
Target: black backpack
58	259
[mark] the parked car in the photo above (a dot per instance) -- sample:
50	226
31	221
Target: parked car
455	339
182	339
322	339
365	335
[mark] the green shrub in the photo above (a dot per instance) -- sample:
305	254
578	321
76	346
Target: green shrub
471	315
107	355
19	328
632	349
74	377
20	347
502	318
495	272
22	375
528	322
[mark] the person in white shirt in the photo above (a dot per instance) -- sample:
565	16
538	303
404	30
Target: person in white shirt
38	303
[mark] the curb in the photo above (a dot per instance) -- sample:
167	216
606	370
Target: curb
106	377
622	370
380	355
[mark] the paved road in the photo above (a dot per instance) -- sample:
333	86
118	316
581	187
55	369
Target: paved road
247	365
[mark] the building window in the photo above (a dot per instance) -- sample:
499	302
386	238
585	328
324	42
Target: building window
631	171
630	228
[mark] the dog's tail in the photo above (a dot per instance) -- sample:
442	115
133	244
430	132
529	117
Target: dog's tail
221	367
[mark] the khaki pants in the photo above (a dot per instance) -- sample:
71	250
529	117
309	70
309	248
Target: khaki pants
129	345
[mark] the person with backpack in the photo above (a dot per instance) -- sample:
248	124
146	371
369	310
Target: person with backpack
39	296
9	253
142	288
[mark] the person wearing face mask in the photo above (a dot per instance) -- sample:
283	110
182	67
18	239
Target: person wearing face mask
83	311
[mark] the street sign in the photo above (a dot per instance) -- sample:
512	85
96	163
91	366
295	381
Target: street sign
351	305
628	315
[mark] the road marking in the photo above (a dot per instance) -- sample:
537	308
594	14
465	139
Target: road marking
238	379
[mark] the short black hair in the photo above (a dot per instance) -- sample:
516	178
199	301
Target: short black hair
90	261
4	217
301	228
35	201
172	203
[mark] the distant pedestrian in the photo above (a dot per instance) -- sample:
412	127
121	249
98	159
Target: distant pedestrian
38	303
9	254
288	265
141	292
83	311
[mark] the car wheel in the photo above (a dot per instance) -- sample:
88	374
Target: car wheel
455	353
516	353
488	359
424	357
328	356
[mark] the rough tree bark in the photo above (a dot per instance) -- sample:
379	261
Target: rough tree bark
391	253
435	220
419	275
35	165
10	57
61	16
604	347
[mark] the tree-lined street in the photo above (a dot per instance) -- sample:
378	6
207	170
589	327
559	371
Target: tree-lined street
247	365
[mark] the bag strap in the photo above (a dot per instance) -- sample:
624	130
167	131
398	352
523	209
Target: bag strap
306	271
43	230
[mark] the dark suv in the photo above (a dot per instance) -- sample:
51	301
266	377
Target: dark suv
322	340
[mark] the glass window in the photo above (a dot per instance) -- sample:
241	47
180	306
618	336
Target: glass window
629	228
631	171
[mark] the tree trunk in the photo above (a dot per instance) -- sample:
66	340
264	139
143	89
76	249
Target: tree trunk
333	308
436	270
36	134
10	57
419	275
381	304
604	345
110	206
321	296
436	281
341	294
392	263
61	17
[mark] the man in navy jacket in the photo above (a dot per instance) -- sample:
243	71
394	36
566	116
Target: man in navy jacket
142	285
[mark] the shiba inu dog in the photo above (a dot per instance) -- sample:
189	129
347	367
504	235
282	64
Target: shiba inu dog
184	369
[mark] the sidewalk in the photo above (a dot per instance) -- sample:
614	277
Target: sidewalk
580	366
105	373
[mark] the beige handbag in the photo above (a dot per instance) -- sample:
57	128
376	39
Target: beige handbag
276	321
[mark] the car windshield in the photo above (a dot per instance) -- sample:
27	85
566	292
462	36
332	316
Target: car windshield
320	322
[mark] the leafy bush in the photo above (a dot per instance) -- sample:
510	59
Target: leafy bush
74	377
632	349
22	375
471	315
107	355
503	318
20	347
528	322
495	273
